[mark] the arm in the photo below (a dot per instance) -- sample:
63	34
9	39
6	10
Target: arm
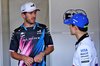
40	56
27	60
49	49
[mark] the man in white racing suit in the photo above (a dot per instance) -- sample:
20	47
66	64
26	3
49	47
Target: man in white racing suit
85	52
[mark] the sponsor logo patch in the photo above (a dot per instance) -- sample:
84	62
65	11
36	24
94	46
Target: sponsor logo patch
84	50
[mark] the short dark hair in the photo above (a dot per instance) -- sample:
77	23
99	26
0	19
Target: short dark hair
82	29
24	12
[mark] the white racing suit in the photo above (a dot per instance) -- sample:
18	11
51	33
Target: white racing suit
85	53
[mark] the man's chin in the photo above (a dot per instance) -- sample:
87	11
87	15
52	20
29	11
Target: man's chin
32	23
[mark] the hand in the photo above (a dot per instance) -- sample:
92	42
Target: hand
28	60
38	58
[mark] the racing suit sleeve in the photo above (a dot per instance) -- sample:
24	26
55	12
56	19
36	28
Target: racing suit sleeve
48	39
14	44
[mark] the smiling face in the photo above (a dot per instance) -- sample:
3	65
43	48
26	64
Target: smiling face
29	17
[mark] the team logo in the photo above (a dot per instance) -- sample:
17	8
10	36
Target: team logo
39	32
69	13
84	50
81	11
22	34
32	5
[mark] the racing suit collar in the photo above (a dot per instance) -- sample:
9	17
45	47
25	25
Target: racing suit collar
26	28
84	36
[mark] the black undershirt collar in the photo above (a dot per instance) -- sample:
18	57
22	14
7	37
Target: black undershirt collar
84	36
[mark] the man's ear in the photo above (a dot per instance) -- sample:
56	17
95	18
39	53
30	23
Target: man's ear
76	28
23	15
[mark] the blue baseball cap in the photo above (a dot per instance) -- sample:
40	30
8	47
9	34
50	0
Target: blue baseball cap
78	19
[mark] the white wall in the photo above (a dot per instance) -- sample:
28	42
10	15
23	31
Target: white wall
5	33
1	49
65	43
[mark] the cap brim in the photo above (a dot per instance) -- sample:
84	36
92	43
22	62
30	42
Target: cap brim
67	21
37	9
31	10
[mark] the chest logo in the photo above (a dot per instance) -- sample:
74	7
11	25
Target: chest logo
22	34
39	32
